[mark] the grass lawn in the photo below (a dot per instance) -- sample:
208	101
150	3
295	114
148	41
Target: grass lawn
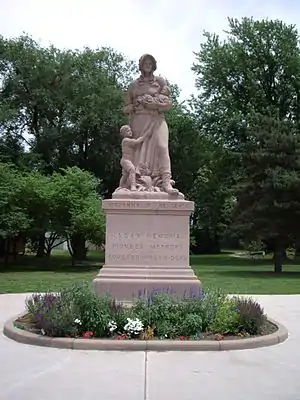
232	274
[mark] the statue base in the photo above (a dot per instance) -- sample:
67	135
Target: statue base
129	195
147	247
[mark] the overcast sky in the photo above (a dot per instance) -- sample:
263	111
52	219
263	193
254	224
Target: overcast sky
169	29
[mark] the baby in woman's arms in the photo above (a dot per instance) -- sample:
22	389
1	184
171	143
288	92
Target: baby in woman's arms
159	98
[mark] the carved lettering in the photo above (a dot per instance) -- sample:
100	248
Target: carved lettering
146	247
126	235
169	205
145	257
148	235
165	246
126	246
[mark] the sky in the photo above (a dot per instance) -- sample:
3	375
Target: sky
171	30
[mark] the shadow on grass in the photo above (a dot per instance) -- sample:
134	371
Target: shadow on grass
54	264
259	274
51	268
227	260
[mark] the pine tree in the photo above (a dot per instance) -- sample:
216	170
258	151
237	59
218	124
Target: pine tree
268	195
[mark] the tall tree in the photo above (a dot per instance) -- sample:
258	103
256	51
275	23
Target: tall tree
76	209
254	71
13	218
268	205
255	68
64	105
200	170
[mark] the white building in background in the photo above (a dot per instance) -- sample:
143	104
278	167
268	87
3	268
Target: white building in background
60	244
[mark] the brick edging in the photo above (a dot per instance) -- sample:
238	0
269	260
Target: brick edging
23	336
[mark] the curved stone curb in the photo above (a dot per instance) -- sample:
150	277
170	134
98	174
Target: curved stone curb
23	336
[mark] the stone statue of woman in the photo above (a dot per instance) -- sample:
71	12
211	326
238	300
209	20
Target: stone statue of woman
146	101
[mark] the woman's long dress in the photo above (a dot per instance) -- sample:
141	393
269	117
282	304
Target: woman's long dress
154	151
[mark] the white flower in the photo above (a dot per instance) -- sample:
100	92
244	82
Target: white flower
112	326
133	326
77	321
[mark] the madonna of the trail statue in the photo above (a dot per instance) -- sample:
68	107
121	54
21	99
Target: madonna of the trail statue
147	219
146	101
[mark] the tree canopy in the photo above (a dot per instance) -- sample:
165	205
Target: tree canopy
234	146
249	103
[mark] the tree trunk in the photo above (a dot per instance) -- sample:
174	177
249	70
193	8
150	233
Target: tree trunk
6	254
2	247
41	246
278	259
14	249
48	252
283	255
78	247
297	250
216	245
70	250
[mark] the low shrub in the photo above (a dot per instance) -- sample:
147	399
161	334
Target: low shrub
174	317
77	311
93	311
53	314
226	318
73	311
159	311
206	305
251	316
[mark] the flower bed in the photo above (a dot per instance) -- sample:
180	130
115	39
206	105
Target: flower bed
77	312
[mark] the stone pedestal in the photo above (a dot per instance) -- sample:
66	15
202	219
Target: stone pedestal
147	247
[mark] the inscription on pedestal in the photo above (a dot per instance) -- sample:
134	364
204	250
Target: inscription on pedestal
150	205
144	257
146	248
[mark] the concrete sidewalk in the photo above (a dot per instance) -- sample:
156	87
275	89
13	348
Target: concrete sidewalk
37	373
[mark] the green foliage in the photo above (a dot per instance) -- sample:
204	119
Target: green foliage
68	101
64	204
57	314
173	317
37	201
119	314
226	318
256	67
163	314
53	314
213	196
186	147
13	217
201	170
160	311
251	316
76	205
249	103
268	193
93	311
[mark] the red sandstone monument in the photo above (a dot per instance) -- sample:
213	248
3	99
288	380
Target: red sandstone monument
147	219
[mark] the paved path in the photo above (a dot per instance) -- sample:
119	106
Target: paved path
36	373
